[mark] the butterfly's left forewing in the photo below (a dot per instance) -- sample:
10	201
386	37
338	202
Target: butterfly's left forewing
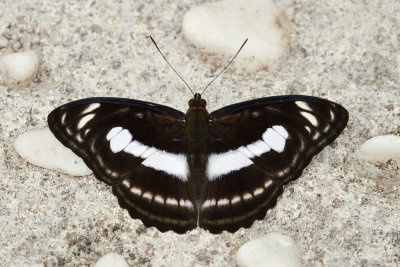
138	147
258	146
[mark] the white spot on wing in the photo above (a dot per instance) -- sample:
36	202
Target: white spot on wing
326	128
148	195
185	203
159	199
258	191
208	203
79	138
84	120
235	199
223	202
173	164
310	117
69	131
120	141
136	191
148	152
63	116
281	130
332	115
91	107
316	136
303	105
136	148
274	140
113	132
246	152
172	201
126	183
247	196
258	148
267	183
224	163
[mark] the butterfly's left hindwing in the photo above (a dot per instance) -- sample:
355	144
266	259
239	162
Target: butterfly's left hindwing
137	147
258	146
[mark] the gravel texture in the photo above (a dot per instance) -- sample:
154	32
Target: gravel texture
346	51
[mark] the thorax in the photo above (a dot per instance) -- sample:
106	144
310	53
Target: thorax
197	123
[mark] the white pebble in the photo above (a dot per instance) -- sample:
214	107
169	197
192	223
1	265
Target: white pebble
41	148
221	27
380	148
271	250
19	68
379	159
111	260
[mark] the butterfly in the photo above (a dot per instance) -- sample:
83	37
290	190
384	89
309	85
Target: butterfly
218	171
177	171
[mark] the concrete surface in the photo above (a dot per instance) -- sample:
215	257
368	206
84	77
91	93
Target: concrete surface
345	51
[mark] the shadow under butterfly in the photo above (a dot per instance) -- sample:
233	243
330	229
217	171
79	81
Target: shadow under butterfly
219	171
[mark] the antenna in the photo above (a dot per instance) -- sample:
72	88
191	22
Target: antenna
170	64
225	66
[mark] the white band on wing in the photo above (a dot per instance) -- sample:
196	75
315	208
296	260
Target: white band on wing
224	163
173	164
233	160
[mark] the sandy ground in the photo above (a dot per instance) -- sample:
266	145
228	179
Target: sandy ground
346	52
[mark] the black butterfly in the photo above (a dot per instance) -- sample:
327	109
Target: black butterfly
218	171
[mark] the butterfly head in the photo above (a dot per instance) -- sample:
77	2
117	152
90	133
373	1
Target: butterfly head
197	102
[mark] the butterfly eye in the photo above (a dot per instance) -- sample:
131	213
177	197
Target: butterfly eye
191	103
203	103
